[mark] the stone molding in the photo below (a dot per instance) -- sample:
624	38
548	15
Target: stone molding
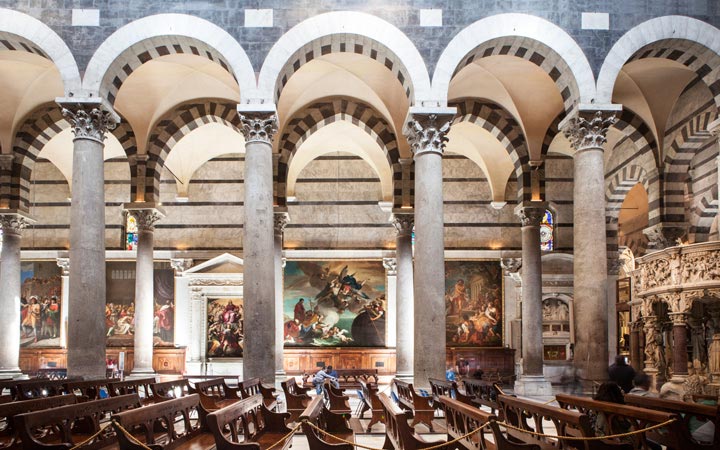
427	133
14	223
146	217
259	126
390	265
64	264
589	130
215	282
531	215
89	120
180	264
403	223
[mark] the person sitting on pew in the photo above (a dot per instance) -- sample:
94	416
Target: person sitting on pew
611	392
321	376
621	373
641	386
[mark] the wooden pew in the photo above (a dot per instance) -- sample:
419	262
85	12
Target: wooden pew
483	393
348	378
5	399
72	424
164	425
335	399
371	402
139	386
30	389
254	386
462	418
248	418
528	415
9	436
398	434
621	417
686	411
331	422
420	407
217	387
445	388
167	390
89	389
296	398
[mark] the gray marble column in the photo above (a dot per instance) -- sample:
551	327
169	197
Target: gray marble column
426	131
281	220
89	121
12	224
146	215
259	127
404	298
532	382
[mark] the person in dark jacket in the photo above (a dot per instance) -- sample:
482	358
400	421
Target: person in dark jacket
622	374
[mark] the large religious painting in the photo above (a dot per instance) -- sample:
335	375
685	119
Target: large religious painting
120	304
40	304
225	331
334	304
473	303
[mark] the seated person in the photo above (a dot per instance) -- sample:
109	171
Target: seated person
641	386
321	376
450	374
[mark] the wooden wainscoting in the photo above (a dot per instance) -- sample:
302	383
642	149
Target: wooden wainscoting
305	360
166	360
493	361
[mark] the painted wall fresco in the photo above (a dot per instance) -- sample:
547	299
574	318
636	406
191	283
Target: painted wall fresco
120	304
225	331
473	303
334	303
40	304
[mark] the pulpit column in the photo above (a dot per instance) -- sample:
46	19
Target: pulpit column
281	220
12	224
89	120
426	131
404	298
259	125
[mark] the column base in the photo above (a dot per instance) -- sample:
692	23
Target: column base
533	386
675	388
13	373
280	376
142	372
407	376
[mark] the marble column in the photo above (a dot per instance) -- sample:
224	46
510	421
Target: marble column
635	352
259	127
426	131
390	265
281	220
64	264
532	382
404	298
146	215
12	224
587	134
679	354
89	121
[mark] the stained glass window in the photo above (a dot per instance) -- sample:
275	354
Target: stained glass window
131	233
547	235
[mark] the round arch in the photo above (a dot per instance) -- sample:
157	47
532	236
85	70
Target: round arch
342	31
655	31
127	48
566	63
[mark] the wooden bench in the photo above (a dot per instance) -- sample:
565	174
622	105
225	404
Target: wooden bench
440	388
371	402
462	418
483	393
686	411
139	386
529	415
333	423
335	399
296	398
5	399
620	418
347	378
89	389
9	436
65	426
420	407
164	425
254	386
217	387
250	420
398	434
30	389
167	390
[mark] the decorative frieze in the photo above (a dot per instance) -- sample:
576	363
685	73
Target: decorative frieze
215	282
589	130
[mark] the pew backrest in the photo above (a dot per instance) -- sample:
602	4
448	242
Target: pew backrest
10	435
397	430
254	386
216	387
462	418
483	393
421	407
139	386
171	389
89	389
30	389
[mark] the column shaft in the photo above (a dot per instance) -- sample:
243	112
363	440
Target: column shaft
144	304
532	348
404	298
10	304
679	354
281	220
635	355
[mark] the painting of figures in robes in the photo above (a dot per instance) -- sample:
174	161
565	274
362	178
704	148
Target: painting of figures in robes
474	303
225	330
40	304
334	304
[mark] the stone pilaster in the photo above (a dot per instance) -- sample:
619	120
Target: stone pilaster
6	164
390	265
259	125
146	216
513	322
714	129
12	224
64	264
89	121
532	382
426	131
281	219
404	298
587	133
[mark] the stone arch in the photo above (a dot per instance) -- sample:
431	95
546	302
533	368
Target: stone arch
703	215
635	128
176	125
679	38
501	124
552	131
525	36
618	187
151	37
19	31
343	31
318	115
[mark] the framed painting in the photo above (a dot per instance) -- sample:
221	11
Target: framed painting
40	304
474	303
225	328
335	303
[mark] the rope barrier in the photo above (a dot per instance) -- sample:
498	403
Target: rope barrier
130	436
88	439
584	438
286	437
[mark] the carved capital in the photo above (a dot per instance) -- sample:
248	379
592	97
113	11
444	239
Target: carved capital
180	264
427	132
613	266
64	264
390	265
403	223
89	120
6	161
281	219
14	223
259	126
586	131
531	215
511	265
146	217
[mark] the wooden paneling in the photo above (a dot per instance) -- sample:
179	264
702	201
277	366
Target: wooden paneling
493	361
165	360
305	360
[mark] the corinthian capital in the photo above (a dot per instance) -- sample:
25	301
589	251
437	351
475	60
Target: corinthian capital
259	123
281	219
531	214
146	215
89	118
589	130
426	130
403	222
14	222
